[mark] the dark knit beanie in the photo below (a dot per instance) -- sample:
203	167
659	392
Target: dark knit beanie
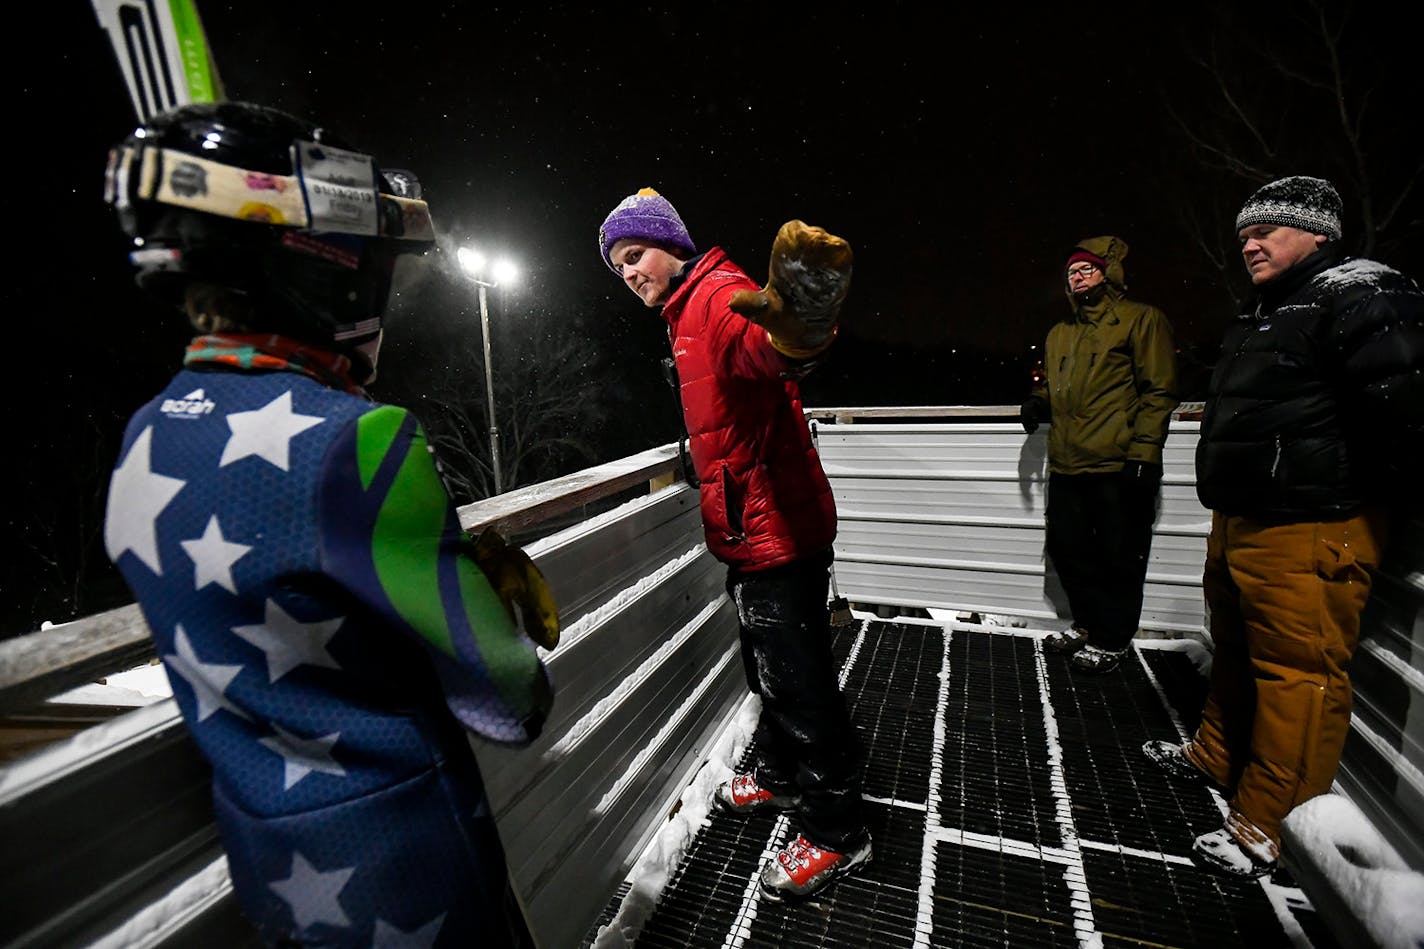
1310	204
648	216
1093	259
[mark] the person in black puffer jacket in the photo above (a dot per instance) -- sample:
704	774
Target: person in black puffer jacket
1313	428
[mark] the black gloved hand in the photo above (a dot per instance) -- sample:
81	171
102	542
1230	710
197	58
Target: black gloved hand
1141	479
1033	411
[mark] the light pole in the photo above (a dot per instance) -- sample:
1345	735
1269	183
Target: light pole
473	263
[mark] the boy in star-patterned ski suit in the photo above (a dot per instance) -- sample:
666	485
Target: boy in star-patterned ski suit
329	634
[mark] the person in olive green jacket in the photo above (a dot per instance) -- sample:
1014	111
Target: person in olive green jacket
1111	386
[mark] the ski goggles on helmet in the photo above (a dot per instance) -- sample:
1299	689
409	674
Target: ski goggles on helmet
332	191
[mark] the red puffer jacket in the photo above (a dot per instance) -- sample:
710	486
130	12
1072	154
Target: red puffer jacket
765	498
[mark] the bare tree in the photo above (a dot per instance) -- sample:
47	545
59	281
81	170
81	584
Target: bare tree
1310	87
549	393
547	400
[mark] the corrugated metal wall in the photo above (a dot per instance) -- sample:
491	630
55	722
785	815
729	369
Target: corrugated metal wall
1383	766
647	670
951	516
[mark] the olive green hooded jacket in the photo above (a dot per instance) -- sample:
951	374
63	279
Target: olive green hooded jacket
1111	369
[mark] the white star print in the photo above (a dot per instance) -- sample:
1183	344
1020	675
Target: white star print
208	679
213	557
313	894
422	937
266	432
289	643
137	495
302	756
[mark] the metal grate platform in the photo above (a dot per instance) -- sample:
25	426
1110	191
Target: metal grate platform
1009	804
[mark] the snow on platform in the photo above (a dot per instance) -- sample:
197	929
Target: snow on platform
1009	804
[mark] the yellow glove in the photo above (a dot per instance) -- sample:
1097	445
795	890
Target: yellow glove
517	582
801	302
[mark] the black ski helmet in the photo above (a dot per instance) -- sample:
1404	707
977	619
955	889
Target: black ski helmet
273	207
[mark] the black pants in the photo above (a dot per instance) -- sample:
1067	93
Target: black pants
1098	537
805	742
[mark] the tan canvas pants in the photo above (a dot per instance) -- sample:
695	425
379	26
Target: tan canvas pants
1285	602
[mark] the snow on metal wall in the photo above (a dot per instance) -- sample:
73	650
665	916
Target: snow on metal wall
1382	769
646	671
950	516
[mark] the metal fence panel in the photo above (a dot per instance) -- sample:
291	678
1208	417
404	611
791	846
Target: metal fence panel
1382	769
648	625
950	515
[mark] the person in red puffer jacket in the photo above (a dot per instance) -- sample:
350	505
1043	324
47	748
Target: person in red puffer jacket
767	509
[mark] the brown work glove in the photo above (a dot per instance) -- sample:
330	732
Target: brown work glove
801	302
517	582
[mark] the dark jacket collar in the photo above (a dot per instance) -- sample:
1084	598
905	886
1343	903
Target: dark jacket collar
1090	307
1273	293
681	276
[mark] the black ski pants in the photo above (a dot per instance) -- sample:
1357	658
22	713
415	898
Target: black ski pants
804	742
1099	534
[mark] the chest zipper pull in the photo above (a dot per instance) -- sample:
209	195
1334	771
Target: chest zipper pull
1275	462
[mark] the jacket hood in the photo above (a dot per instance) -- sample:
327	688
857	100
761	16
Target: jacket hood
1109	248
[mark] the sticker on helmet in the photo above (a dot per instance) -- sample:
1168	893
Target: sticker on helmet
340	188
261	213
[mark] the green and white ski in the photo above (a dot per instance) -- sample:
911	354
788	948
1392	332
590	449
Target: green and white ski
162	52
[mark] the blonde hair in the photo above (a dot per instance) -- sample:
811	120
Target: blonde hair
214	309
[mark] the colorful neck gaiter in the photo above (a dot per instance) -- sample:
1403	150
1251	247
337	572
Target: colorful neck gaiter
269	351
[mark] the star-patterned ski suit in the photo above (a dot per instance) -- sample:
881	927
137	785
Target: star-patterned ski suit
306	583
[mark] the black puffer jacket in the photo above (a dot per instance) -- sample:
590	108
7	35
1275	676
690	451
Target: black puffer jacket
1316	407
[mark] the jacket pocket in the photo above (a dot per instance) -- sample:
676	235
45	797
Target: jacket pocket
727	503
1345	556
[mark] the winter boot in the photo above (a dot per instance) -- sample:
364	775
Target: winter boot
742	795
1066	642
1169	756
801	868
1222	853
1097	661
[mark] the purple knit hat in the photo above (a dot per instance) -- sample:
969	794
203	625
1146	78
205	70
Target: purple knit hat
646	215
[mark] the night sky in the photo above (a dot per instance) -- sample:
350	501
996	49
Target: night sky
961	154
960	158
